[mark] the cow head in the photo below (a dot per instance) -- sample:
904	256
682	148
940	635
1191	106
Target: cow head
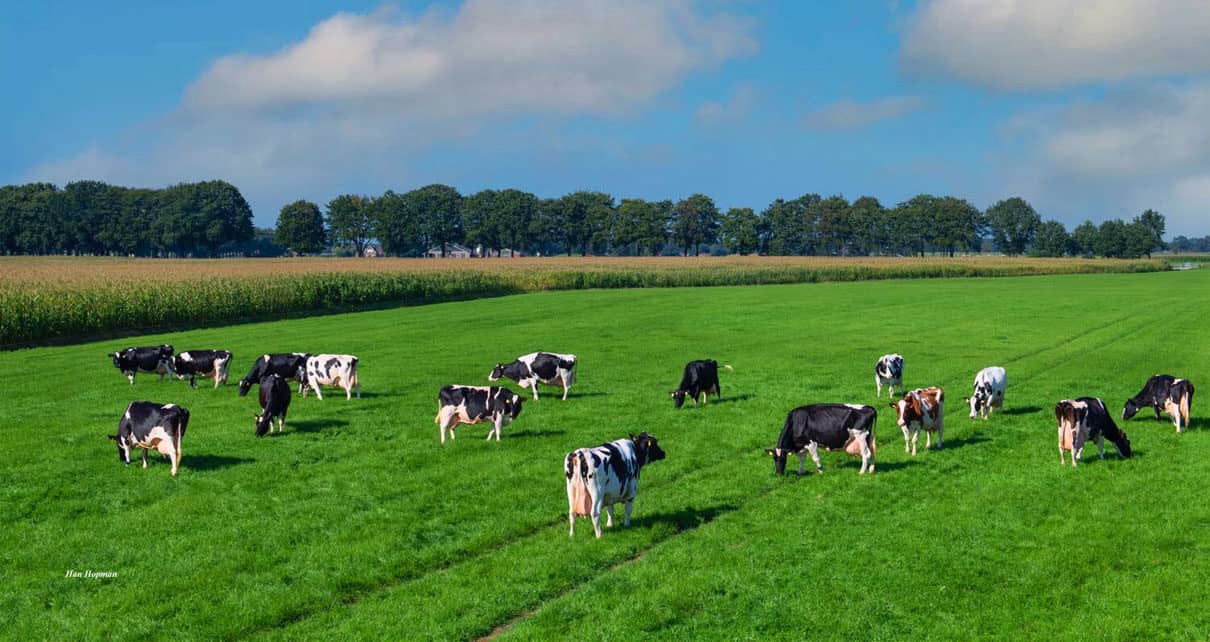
166	350
980	398
678	398
497	372
117	359
244	386
1123	445
907	409
1129	410
647	448
779	456
263	424
123	449
513	406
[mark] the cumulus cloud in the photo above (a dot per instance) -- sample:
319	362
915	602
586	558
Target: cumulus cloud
364	93
1134	149
1046	44
729	111
848	114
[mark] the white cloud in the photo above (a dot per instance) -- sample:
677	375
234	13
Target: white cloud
848	114
729	111
1045	44
1115	157
364	95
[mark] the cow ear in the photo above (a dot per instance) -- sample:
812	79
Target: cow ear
113	437
631	436
893	404
769	452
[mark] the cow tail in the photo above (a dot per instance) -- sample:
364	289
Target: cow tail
1186	402
182	422
873	437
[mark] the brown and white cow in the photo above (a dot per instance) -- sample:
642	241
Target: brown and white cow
921	408
1083	419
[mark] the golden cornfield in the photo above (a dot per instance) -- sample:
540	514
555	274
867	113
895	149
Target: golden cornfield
66	298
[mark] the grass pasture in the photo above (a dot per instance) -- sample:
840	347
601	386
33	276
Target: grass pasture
358	523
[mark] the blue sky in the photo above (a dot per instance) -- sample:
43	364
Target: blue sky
1088	110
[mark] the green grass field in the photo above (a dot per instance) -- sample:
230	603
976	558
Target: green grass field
357	523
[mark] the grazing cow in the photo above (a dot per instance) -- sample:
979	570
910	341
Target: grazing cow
1085	418
921	408
290	365
888	372
274	402
988	392
331	370
205	363
157	359
147	424
529	370
474	404
831	426
606	475
1174	396
700	378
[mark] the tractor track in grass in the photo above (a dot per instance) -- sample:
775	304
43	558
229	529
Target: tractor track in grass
457	559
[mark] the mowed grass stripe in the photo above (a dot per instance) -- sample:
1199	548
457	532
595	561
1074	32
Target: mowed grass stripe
361	494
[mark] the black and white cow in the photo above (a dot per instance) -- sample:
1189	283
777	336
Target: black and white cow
274	403
888	372
146	425
1087	418
700	378
331	370
550	368
988	391
832	426
290	365
157	359
474	404
606	475
1163	392
204	363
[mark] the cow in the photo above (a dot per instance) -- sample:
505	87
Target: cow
700	378
147	424
290	365
888	372
550	368
1174	396
921	408
274	402
157	359
205	363
331	370
474	404
832	426
1087	418
606	475
988	392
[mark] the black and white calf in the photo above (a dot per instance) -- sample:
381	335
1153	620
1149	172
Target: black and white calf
550	368
157	359
474	404
202	363
988	392
606	475
291	365
1087	418
699	379
1163	392
274	403
146	425
832	426
331	370
888	372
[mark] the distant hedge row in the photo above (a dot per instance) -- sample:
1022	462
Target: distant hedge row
48	312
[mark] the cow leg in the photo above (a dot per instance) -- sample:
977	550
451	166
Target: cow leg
1100	446
609	516
928	439
802	463
130	376
281	423
866	461
629	508
566	387
144	458
596	516
813	448
915	439
318	393
907	439
705	397
878	382
534	387
443	419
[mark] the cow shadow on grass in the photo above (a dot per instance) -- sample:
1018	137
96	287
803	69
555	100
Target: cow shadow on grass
521	434
212	462
685	519
1020	410
886	466
574	395
735	398
962	442
311	425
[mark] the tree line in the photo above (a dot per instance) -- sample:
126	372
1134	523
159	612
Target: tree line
431	218
213	219
91	217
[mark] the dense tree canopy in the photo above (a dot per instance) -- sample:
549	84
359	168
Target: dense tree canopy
1013	223
350	222
300	227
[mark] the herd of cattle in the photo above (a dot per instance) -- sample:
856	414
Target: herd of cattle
598	478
